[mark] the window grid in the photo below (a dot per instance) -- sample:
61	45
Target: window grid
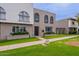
46	19
36	17
2	14
24	16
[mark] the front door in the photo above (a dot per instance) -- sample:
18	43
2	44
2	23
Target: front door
36	31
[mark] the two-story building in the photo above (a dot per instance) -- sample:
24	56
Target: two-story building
44	21
68	25
16	18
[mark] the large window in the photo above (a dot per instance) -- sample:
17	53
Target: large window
48	29
36	17
2	14
51	19
23	16
46	19
18	29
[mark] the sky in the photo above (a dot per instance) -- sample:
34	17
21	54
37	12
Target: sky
62	10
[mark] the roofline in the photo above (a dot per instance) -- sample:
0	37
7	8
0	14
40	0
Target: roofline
44	11
67	19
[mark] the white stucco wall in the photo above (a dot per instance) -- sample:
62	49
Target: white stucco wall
71	25
13	9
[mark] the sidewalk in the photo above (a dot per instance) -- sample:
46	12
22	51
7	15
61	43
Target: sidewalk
14	46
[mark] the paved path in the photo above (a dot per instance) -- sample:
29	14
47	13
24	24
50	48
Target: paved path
14	46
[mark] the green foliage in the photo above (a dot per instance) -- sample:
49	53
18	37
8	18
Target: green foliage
57	48
78	19
19	33
16	41
49	33
55	36
73	32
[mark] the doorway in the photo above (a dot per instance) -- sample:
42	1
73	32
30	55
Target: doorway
36	30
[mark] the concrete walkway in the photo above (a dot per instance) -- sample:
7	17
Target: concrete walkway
14	46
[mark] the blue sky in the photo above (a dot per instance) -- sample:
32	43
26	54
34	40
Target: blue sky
62	10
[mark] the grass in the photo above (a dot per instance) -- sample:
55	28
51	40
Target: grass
57	48
9	42
56	36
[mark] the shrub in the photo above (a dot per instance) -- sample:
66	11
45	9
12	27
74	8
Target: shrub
74	32
49	33
19	33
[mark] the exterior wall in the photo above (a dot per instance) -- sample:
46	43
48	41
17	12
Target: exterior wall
13	10
72	25
62	24
41	23
6	30
67	24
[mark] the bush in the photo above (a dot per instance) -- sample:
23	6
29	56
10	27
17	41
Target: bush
19	33
74	32
49	33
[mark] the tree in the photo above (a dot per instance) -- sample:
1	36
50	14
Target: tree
78	19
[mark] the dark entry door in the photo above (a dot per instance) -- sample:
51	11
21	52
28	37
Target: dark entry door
36	30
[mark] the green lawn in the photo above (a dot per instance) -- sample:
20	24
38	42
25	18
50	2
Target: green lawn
56	36
57	48
9	42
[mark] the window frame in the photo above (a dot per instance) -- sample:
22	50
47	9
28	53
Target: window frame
24	16
36	17
2	13
51	19
46	19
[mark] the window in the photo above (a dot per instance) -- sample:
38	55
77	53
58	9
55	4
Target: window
2	14
23	16
18	29
36	17
13	29
51	19
46	19
73	23
22	29
48	29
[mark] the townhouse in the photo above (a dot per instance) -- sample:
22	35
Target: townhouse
16	18
44	22
21	20
67	26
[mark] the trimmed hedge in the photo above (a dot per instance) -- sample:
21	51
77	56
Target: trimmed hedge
49	33
19	33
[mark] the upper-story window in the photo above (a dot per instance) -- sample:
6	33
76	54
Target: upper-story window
46	19
23	16
2	14
36	17
51	19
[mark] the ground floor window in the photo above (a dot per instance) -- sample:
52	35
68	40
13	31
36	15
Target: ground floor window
18	29
60	30
48	29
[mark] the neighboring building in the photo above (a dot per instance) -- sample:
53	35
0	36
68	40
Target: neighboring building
68	25
16	18
43	22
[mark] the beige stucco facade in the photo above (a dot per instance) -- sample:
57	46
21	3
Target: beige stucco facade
6	30
41	23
